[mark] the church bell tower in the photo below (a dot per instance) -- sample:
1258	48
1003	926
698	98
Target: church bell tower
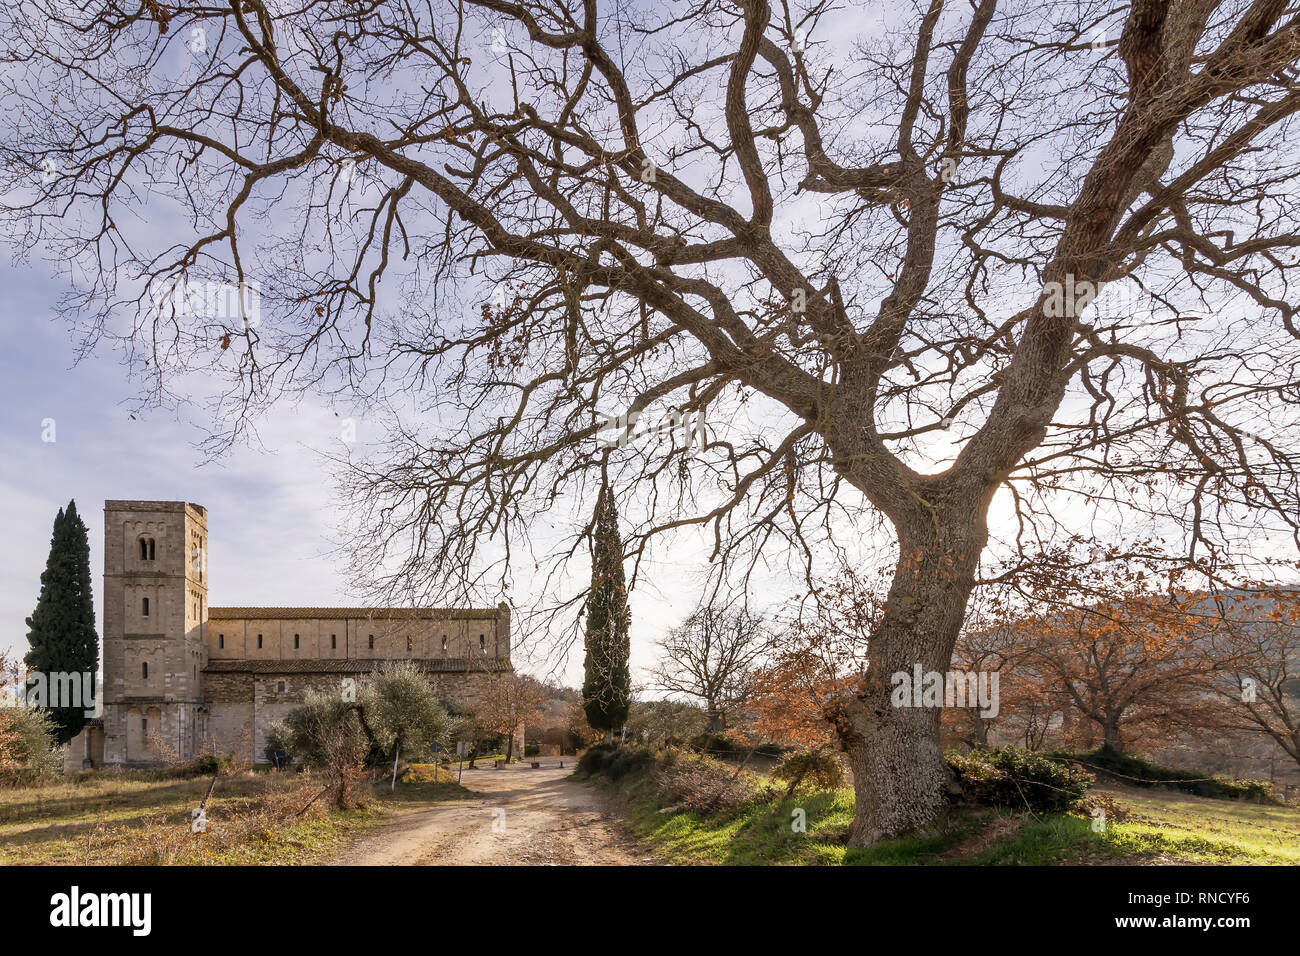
155	629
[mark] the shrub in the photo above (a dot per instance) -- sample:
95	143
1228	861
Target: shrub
594	758
705	785
629	760
28	749
1017	779
327	734
715	743
208	765
1136	771
820	769
1232	788
615	762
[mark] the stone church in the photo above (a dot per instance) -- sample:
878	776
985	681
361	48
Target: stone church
204	678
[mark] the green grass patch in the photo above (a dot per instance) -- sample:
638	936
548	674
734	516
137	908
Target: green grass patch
1161	828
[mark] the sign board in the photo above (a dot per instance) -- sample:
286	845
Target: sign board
436	748
462	748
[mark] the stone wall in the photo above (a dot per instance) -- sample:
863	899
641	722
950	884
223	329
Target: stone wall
242	706
160	636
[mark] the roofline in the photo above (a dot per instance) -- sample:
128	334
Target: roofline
357	665
350	613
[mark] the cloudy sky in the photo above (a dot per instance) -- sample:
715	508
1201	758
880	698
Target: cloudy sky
272	521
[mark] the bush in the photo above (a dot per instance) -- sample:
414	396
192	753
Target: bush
705	785
770	750
208	765
594	758
325	733
28	749
1134	770
715	743
615	762
818	769
629	760
1018	780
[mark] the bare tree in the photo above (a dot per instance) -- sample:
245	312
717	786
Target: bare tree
709	657
883	265
509	702
1262	631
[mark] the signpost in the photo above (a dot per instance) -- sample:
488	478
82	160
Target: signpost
437	749
462	748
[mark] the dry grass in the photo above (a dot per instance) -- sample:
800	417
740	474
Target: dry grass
144	818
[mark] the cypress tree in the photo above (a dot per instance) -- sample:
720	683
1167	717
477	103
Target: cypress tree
61	631
607	681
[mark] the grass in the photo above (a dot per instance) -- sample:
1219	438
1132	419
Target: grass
143	817
1160	827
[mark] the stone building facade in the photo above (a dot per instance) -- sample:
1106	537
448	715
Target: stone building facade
202	678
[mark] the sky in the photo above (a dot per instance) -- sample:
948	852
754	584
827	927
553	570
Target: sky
272	521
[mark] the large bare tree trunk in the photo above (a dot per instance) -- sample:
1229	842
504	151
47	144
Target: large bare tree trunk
899	774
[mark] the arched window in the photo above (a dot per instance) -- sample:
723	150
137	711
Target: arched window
144	670
444	643
148	549
259	642
144	607
334	641
295	642
410	645
482	642
221	641
372	642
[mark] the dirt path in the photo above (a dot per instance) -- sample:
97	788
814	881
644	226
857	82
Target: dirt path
518	816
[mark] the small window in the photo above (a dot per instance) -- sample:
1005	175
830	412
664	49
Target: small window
444	643
147	549
281	687
334	641
144	670
372	642
482	642
295	642
221	641
259	642
410	645
144	607
144	726
196	672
